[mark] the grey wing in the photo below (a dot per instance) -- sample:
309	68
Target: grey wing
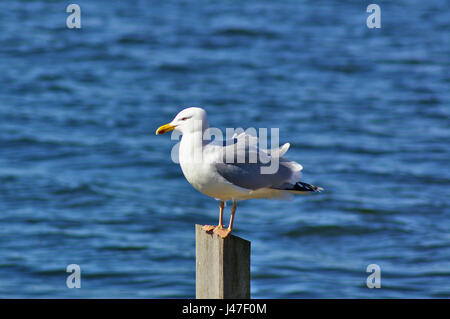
248	174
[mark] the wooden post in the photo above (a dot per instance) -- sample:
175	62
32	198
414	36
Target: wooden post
222	266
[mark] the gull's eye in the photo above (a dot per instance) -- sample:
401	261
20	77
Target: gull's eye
184	118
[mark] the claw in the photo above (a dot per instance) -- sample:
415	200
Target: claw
222	232
208	228
218	230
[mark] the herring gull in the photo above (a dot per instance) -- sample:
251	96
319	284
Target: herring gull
209	168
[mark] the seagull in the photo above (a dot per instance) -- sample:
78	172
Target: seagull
209	168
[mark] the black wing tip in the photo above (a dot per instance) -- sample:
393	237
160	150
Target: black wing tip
304	187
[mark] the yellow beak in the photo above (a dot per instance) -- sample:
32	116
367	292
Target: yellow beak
165	128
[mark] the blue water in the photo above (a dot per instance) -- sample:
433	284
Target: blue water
84	180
